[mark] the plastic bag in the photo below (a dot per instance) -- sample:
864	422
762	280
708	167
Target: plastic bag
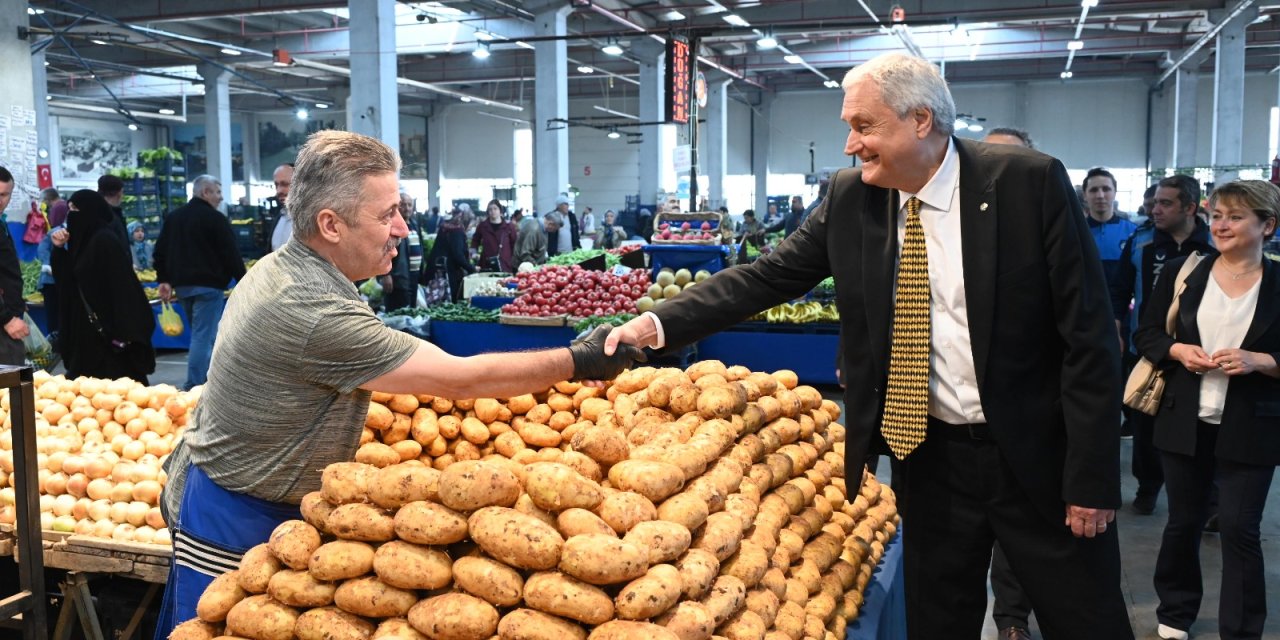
170	321
39	351
37	226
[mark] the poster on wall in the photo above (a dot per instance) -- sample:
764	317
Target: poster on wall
89	153
280	137
190	141
413	146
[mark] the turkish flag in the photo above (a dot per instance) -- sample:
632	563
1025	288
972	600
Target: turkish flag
44	176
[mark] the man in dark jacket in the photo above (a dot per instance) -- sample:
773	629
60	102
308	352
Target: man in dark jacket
12	306
196	258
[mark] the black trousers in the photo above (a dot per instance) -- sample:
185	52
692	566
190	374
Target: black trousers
958	496
1012	607
1145	460
1242	495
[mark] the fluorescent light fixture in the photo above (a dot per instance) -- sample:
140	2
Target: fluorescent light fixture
831	84
612	48
961	123
97	41
322	105
736	20
582	68
1075	45
524	45
132	126
34	12
614	112
614	135
48	98
670	16
767	42
793	59
481	51
1088	4
167	112
46	63
1065	75
975	127
465	98
229	51
301	114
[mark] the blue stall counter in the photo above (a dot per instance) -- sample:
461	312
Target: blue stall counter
692	257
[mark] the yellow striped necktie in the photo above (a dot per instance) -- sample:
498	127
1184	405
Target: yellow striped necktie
906	405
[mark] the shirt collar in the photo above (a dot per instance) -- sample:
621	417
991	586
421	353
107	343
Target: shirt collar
940	190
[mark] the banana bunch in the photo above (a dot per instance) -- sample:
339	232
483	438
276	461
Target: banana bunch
146	275
800	313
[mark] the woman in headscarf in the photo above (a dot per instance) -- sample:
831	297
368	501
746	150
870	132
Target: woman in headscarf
139	247
107	322
496	240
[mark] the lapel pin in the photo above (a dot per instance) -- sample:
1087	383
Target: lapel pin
982	207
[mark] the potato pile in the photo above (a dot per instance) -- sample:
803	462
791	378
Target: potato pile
675	505
101	444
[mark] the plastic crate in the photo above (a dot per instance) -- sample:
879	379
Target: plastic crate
695	220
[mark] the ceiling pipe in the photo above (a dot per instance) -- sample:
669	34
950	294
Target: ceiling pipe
1204	39
408	82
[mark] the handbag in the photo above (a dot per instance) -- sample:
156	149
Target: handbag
117	346
1145	386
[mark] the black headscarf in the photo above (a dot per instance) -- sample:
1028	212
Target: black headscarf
91	215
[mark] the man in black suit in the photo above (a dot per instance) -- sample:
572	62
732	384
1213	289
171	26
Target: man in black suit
1020	442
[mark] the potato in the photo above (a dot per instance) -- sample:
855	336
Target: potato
331	623
535	433
345	482
649	595
742	508
408	566
397	629
293	542
454	616
653	480
399	484
315	510
488	579
377	454
718	402
727	595
340	560
526	506
361	522
556	487
744	625
256	568
528	624
372	598
764	603
585	466
684	509
261	618
487	409
600	559
572	522
748	564
219	597
195	629
379	417
627	630
684	399
689	620
698	570
429	523
625	509
471	485
602	444
300	589
721	535
516	539
556	593
664	540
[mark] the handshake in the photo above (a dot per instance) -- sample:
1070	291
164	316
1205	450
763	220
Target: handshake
591	362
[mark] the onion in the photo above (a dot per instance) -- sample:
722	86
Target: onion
112	429
91	387
6	461
145	470
147	491
46	502
72	465
77	485
103	416
106	401
158	422
97	468
123	533
56	484
8	496
84	527
54	412
95	437
88	423
6	440
157	446
46	520
8	514
144	534
162	537
63	504
119	512
63	524
81	508
54	461
134	450
135	427
136	514
100	489
122	492
146	436
118	442
103	528
140	396
100	510
176	407
155	519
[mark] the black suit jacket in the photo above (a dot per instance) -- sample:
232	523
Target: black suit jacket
1250	430
1044	344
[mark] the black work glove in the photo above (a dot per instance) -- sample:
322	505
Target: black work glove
590	362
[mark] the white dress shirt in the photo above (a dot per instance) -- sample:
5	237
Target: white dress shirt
283	230
1223	321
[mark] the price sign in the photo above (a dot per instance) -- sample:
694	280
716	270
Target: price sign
677	80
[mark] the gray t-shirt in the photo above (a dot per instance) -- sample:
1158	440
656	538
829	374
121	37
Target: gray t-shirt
283	398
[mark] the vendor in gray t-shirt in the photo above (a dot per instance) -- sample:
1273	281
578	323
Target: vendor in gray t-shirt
297	356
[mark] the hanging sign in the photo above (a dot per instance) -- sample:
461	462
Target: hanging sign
677	81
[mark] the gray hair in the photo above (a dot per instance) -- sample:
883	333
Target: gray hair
330	174
906	83
554	217
1013	132
203	183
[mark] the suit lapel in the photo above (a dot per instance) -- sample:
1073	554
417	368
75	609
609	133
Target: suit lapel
1268	309
879	260
978	229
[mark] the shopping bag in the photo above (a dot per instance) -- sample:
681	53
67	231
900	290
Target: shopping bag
39	350
37	226
170	321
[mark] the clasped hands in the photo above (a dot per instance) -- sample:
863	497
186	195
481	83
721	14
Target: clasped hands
604	353
1232	362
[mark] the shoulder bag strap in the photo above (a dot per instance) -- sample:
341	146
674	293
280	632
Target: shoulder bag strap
93	317
1180	285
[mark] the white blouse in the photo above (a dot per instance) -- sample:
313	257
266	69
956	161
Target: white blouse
1223	321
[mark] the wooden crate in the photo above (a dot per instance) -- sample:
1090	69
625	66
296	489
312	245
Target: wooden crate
532	321
695	220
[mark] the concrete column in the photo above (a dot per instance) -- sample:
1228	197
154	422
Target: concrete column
760	130
19	91
217	124
373	109
1228	90
253	170
436	131
653	58
44	139
551	100
1185	86
717	137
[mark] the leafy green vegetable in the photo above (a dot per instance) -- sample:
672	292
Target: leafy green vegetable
582	255
586	324
451	312
30	277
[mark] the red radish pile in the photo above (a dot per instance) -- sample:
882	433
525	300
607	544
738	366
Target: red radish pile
572	290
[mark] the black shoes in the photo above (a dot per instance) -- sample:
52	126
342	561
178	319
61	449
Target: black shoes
1145	503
